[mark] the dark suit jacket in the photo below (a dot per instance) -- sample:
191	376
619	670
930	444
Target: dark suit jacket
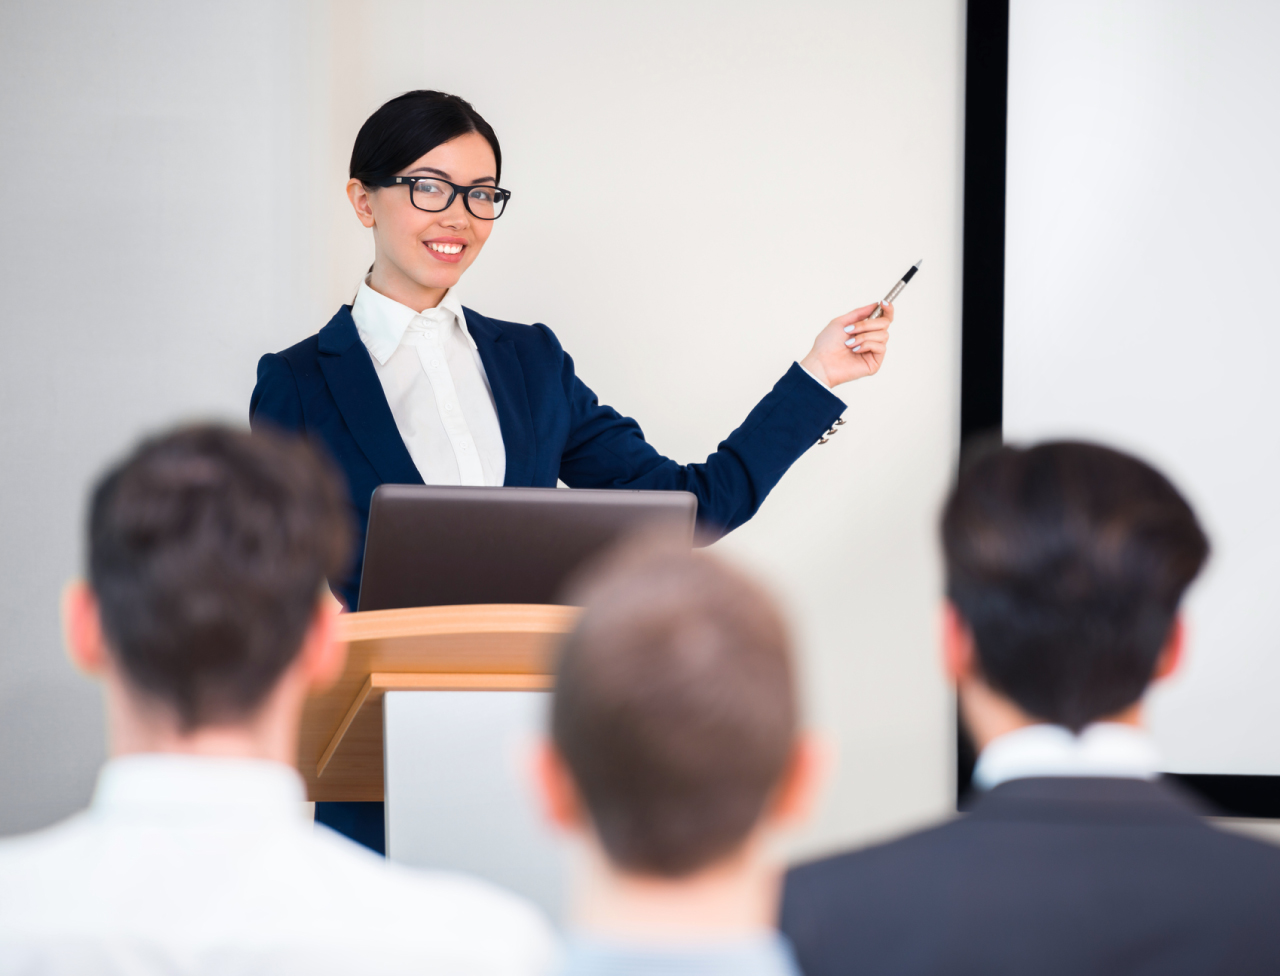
1046	877
552	425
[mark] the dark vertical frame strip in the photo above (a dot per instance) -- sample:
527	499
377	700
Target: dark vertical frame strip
982	312
986	101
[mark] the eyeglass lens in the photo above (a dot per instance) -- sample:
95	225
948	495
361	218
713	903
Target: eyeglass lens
484	202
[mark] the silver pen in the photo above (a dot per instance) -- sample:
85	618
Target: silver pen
896	290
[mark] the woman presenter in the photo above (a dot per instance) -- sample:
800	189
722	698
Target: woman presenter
407	386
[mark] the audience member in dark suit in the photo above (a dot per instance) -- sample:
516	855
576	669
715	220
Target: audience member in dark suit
675	757
1066	564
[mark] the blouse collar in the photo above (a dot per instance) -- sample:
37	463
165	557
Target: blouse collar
382	321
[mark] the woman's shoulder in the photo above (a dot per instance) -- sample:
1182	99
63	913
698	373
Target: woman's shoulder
299	351
536	335
290	367
339	333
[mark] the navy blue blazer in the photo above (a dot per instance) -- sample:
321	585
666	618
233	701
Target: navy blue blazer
552	425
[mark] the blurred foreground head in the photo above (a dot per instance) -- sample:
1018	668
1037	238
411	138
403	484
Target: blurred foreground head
208	550
674	708
1068	561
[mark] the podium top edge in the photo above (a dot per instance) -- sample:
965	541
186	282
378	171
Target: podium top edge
476	618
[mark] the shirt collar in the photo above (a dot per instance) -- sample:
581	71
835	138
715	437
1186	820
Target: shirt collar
1107	749
172	785
767	954
382	321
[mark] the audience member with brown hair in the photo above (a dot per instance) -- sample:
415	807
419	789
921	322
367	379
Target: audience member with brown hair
1066	567
206	617
675	755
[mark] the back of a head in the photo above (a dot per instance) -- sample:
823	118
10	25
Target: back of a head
674	709
208	548
1068	561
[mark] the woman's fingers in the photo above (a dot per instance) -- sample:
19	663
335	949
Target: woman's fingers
878	335
869	347
848	318
862	322
857	333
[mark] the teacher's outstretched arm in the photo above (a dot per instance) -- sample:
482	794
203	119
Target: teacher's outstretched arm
608	450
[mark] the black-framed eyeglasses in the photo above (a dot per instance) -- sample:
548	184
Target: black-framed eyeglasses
432	194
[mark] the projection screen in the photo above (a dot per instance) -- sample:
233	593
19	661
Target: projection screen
1141	257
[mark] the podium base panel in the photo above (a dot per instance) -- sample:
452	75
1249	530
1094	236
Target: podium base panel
459	790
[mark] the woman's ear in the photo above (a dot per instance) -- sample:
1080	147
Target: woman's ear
82	628
359	196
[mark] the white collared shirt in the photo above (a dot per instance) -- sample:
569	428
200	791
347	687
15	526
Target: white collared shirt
436	386
192	865
1108	749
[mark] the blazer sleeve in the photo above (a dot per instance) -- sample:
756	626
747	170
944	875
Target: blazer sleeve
607	450
276	401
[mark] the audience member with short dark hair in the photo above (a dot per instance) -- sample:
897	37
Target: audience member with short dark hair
206	617
1066	565
675	756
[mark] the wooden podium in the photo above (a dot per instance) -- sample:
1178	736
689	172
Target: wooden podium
485	647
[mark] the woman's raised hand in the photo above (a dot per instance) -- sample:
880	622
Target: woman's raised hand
851	346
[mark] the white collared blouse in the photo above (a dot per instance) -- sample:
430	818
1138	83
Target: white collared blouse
435	384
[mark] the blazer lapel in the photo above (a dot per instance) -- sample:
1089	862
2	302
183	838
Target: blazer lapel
349	373
506	380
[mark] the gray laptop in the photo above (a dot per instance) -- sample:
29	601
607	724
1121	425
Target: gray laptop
434	546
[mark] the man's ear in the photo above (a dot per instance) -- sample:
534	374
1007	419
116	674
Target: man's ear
557	793
959	655
802	781
1171	655
358	194
82	628
323	656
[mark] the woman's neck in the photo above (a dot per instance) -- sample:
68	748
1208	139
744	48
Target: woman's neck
388	280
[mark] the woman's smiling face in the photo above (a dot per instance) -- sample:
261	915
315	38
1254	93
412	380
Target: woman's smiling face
420	255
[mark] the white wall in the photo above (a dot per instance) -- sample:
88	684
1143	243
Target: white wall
681	307
157	238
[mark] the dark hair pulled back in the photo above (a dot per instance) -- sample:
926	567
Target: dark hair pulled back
410	126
